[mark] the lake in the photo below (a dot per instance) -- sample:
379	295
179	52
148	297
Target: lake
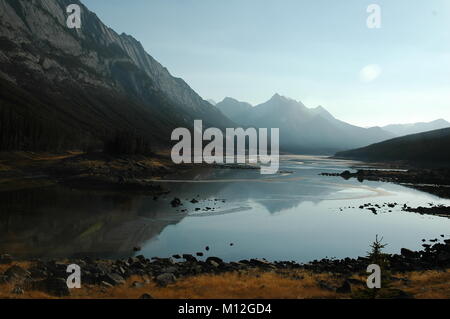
294	215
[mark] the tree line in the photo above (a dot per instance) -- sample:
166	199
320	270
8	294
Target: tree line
26	131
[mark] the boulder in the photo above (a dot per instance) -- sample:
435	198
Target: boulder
407	253
105	284
170	270
262	263
16	273
165	279
137	284
146	296
325	286
113	279
190	258
346	288
176	202
443	256
215	259
18	290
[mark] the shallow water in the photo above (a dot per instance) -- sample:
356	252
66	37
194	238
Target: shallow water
295	215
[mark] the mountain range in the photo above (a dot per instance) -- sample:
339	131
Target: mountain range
65	88
432	146
413	128
302	129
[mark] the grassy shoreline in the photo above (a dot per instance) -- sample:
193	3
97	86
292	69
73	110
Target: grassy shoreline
250	284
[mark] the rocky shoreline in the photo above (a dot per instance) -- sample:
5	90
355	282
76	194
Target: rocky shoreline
97	171
50	276
431	209
433	181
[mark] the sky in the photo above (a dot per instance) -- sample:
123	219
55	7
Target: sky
320	52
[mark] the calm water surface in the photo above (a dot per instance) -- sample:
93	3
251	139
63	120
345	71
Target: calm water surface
295	215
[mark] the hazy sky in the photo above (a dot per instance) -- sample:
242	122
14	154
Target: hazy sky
318	51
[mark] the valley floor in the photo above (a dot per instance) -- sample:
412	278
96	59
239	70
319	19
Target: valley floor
20	170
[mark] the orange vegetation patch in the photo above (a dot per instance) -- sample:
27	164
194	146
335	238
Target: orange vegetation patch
251	284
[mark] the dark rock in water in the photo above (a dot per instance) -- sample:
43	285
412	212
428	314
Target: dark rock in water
176	202
137	248
447	241
165	279
407	253
16	273
346	288
146	296
231	244
194	201
53	286
113	279
346	174
5	259
207	248
199	254
189	258
176	256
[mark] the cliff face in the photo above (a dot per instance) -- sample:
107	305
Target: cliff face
91	79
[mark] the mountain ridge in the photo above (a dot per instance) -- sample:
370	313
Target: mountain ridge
92	79
302	129
429	146
418	127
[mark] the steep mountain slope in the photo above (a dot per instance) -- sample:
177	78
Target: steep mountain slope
429	146
87	82
302	130
234	109
407	129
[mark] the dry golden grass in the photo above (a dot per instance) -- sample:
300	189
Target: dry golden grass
251	284
429	284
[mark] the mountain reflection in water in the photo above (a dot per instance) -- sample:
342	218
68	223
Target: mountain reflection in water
295	215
